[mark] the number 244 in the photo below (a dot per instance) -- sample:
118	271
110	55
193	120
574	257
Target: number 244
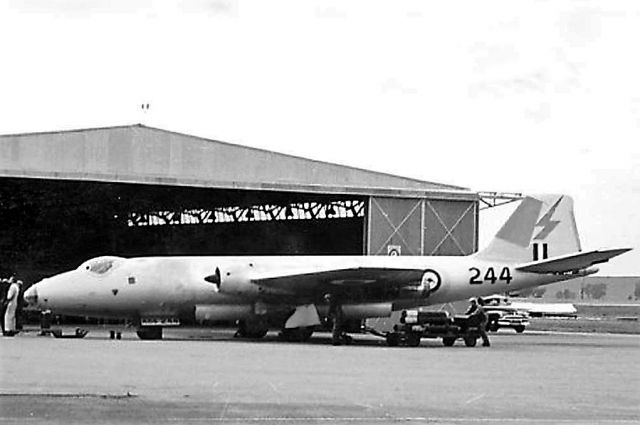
490	275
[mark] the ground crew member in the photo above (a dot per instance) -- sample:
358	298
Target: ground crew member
4	288
12	304
476	310
338	335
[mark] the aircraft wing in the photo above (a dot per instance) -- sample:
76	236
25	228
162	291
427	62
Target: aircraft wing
313	283
571	262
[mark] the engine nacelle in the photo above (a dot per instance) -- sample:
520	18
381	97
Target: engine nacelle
233	283
239	283
363	311
360	311
220	312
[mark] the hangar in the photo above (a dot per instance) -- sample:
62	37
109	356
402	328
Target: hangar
135	190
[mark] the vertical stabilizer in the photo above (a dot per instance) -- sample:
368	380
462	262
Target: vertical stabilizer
541	227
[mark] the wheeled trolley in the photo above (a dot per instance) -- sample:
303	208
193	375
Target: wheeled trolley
415	325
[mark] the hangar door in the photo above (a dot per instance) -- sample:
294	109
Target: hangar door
403	226
450	227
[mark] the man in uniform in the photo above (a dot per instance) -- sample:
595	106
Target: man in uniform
4	288
338	335
13	295
477	311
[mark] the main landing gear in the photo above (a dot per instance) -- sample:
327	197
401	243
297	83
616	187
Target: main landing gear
251	329
296	334
149	332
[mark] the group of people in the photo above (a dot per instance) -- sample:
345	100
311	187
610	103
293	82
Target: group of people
9	295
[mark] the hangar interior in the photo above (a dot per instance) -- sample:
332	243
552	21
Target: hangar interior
139	191
52	225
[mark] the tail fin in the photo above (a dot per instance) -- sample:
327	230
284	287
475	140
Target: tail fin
541	227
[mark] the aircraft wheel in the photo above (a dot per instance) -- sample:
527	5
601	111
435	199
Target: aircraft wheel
297	334
150	332
448	341
393	340
413	340
519	329
305	333
342	339
258	334
252	332
470	341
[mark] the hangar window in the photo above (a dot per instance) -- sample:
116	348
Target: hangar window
100	265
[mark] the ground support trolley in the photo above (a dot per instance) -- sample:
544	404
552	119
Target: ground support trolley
415	325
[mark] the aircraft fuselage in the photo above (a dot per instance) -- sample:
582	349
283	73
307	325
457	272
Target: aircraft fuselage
175	286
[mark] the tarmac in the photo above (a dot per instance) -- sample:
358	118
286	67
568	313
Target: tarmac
207	376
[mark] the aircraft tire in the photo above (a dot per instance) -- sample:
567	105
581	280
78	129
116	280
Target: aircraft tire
150	333
251	332
392	340
448	341
413	340
519	329
297	334
470	341
305	334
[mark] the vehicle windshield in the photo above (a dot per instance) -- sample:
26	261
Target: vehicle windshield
100	265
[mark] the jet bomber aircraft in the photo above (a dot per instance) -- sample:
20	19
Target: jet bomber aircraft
538	245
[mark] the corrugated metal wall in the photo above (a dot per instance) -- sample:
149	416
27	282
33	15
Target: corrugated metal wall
138	154
401	226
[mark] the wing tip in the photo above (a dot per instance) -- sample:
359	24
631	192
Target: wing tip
554	265
615	251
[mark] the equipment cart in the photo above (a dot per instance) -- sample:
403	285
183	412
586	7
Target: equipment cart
415	325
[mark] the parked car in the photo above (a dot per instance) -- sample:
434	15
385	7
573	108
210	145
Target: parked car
501	314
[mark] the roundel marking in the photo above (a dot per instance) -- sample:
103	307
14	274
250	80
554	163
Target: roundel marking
431	280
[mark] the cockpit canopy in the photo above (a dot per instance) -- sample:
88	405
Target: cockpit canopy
101	265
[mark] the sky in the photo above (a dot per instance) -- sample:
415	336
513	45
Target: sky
499	95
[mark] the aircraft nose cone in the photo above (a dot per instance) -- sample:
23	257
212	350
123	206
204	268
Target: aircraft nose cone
31	296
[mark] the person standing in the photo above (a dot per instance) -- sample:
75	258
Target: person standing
13	295
4	288
477	311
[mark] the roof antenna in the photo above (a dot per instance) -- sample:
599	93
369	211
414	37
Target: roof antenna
144	107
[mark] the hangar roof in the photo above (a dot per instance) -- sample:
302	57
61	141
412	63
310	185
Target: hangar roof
141	154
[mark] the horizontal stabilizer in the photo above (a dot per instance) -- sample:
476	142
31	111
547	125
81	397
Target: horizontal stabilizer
571	262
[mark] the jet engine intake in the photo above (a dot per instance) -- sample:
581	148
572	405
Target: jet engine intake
240	284
233	283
